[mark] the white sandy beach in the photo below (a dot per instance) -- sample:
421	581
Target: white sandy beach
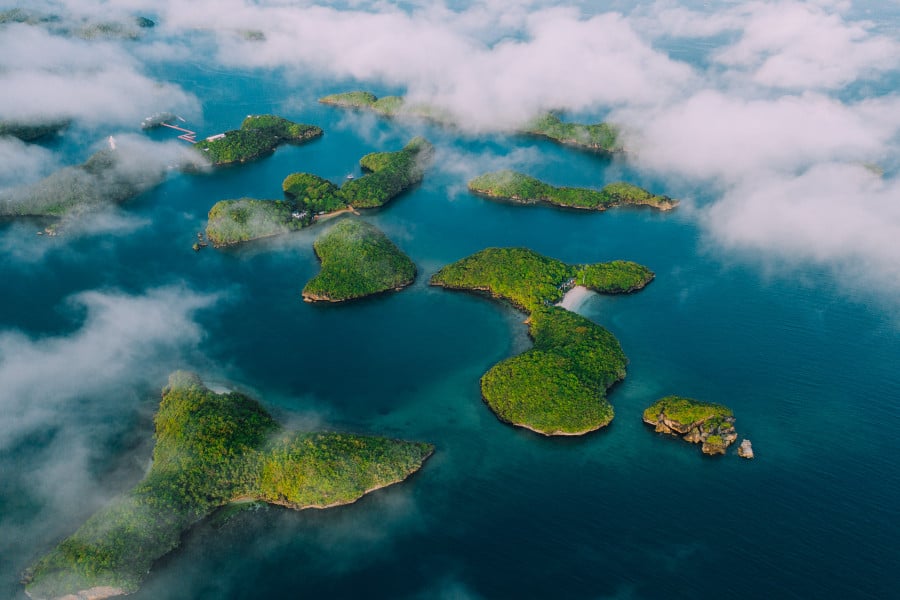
575	297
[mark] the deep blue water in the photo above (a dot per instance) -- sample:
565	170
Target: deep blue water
810	371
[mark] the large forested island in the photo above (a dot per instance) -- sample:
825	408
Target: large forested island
601	138
705	423
212	449
559	386
258	136
521	188
309	197
108	177
357	260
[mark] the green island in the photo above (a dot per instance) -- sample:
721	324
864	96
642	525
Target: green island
212	450
386	106
559	386
711	425
357	260
310	197
521	188
258	136
601	138
107	177
30	130
235	221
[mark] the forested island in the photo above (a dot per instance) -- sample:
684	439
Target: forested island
258	136
108	177
521	188
559	386
386	106
602	138
705	423
310	197
357	260
32	130
213	449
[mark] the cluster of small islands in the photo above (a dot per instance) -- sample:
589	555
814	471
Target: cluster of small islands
215	449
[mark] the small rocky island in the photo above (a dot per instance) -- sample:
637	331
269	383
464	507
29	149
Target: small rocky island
711	425
258	136
600	138
523	189
559	386
213	449
358	260
310	197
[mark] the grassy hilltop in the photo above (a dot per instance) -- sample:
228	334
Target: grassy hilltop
559	386
212	449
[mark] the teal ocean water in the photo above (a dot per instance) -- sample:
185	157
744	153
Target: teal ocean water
809	369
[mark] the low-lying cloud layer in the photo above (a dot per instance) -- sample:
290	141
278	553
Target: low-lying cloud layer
785	95
92	82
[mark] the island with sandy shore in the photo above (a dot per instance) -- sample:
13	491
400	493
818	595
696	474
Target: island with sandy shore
520	188
258	136
310	198
559	386
705	423
213	449
358	260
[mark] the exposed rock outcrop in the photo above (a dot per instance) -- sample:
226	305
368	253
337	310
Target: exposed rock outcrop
711	425
745	450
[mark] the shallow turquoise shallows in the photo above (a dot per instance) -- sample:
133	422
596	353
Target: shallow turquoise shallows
498	512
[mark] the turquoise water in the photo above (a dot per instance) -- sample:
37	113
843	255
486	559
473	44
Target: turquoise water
810	371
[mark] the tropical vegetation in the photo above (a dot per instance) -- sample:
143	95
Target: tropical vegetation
597	137
559	386
357	260
107	177
258	136
235	221
518	187
529	280
212	449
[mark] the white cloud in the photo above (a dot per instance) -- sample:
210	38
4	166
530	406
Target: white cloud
840	215
23	162
125	341
786	44
716	135
93	82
